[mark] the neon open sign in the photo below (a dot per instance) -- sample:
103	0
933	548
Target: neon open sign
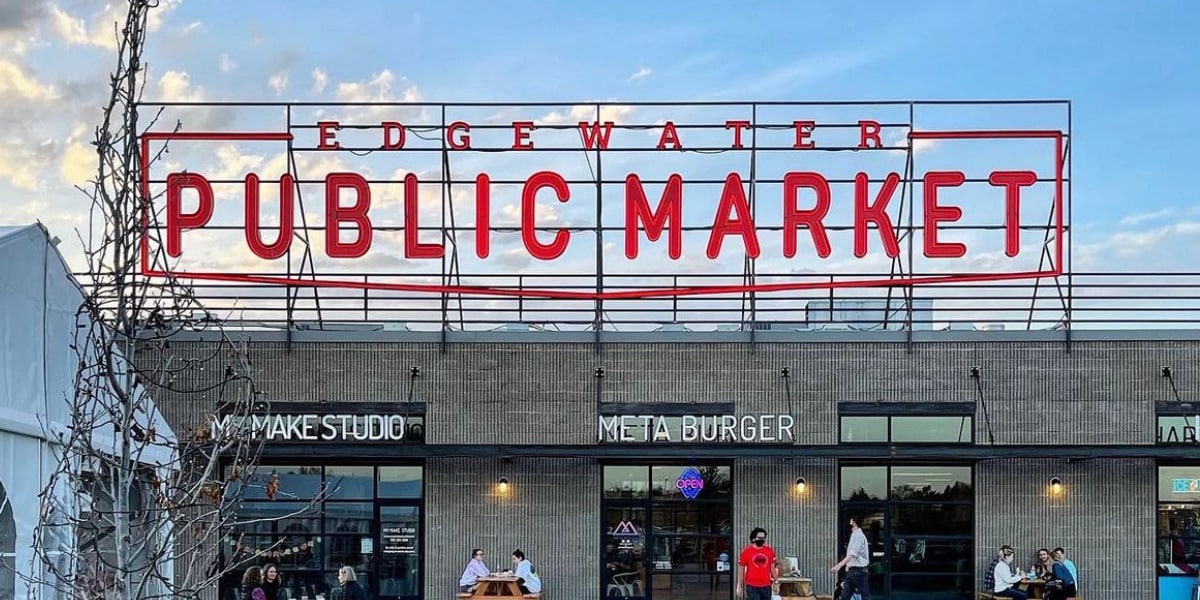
792	218
690	483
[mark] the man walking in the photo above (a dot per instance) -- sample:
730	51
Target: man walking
756	568
856	561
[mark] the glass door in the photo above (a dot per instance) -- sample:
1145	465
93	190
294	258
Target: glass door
667	532
873	520
398	551
625	557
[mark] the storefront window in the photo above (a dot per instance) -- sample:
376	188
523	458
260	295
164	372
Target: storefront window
916	429
1178	530
919	522
369	520
667	532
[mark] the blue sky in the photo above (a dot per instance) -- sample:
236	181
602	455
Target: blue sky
1129	69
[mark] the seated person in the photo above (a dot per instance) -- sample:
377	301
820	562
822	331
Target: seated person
527	577
1043	564
1004	577
1061	584
475	569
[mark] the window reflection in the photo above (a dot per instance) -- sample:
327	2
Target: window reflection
399	482
864	483
864	429
350	482
626	482
931	429
342	530
931	483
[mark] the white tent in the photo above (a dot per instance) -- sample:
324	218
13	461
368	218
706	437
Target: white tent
39	302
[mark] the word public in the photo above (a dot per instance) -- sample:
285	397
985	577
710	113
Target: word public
731	218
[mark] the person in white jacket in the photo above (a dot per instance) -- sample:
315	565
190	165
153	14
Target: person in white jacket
1005	578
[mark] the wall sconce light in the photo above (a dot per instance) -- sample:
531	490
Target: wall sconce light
502	487
801	486
1055	486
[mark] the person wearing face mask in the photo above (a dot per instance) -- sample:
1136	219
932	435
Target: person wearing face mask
756	568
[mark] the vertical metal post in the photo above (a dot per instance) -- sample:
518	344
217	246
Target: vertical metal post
911	173
445	275
598	318
753	217
288	291
1069	267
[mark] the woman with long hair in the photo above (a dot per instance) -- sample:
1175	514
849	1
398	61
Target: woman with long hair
252	582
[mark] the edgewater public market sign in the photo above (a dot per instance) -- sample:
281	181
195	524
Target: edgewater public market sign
791	215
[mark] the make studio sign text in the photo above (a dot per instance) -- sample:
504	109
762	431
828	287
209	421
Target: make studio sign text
803	209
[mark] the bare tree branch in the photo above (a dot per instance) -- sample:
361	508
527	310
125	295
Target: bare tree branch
133	510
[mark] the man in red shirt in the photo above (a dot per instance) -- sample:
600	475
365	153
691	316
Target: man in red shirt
756	568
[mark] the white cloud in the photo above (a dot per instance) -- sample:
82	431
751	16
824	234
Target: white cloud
227	64
278	83
103	29
379	88
79	159
641	74
23	164
16	81
320	79
192	27
1139	218
617	113
176	86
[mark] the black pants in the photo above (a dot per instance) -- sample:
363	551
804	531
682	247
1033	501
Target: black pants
758	593
856	581
1012	593
1059	592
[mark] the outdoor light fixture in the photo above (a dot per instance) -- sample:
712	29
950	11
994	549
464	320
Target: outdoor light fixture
785	372
801	485
599	372
1166	371
975	372
415	371
1055	486
503	485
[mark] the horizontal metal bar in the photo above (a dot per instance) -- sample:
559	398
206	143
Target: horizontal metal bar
689	182
731	451
634	103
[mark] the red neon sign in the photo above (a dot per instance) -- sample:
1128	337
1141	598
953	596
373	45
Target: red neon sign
648	217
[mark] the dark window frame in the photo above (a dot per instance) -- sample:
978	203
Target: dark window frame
376	501
888	504
1159	503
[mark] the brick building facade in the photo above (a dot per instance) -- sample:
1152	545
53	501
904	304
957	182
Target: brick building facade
525	407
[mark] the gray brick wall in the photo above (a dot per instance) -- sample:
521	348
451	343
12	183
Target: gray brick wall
1104	519
551	512
803	526
1100	393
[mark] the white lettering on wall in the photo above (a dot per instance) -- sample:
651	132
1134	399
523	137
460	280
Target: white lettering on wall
696	428
319	428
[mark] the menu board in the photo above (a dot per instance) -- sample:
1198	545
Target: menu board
399	539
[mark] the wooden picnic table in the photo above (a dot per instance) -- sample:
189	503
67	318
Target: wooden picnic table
794	587
497	586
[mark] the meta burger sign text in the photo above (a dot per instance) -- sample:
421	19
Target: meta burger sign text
644	215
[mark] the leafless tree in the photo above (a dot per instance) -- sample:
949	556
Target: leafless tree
135	509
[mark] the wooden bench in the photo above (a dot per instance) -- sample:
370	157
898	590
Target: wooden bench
987	596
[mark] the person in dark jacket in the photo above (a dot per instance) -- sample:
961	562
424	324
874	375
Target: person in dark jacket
351	590
270	583
252	585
